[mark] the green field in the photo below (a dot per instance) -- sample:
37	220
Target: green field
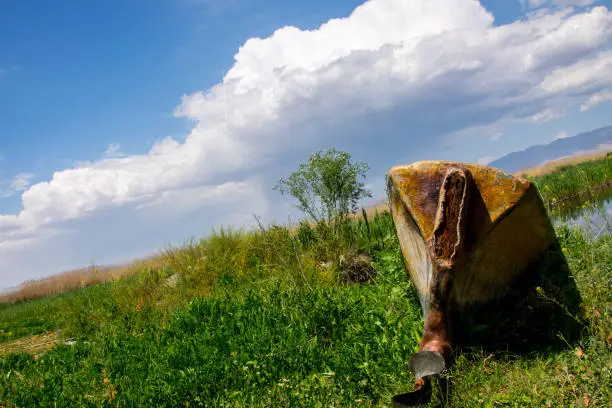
270	318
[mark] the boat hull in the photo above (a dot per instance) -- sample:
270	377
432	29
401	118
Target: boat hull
507	228
466	232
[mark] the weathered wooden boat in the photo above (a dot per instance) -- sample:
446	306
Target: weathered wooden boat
466	232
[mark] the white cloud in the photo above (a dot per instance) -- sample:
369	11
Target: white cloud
393	77
19	183
586	76
595	100
547	115
561	135
113	151
127	232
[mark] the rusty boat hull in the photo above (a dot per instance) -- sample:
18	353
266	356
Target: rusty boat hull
507	228
466	233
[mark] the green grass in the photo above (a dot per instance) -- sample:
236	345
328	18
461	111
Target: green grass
269	348
28	319
569	376
263	318
569	182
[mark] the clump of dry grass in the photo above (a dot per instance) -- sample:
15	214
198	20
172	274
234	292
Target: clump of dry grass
32	345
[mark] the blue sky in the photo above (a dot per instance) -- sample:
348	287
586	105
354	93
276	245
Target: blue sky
78	76
129	124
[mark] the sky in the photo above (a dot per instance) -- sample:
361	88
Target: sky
127	126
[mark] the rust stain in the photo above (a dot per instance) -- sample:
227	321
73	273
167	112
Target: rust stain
447	241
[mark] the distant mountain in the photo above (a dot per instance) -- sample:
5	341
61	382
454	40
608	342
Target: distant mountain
536	155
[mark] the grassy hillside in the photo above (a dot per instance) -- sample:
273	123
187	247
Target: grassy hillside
561	197
305	317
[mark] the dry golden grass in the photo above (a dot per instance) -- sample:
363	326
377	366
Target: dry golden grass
75	279
380	207
554	165
33	344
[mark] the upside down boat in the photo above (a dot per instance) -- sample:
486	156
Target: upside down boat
466	232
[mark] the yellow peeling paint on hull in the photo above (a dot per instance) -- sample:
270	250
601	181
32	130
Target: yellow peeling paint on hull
507	227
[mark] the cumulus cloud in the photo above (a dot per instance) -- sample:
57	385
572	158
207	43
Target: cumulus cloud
395	77
561	135
123	233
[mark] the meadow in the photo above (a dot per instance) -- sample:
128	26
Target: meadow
308	316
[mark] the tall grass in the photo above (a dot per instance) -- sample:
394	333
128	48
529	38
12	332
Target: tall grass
226	261
584	179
